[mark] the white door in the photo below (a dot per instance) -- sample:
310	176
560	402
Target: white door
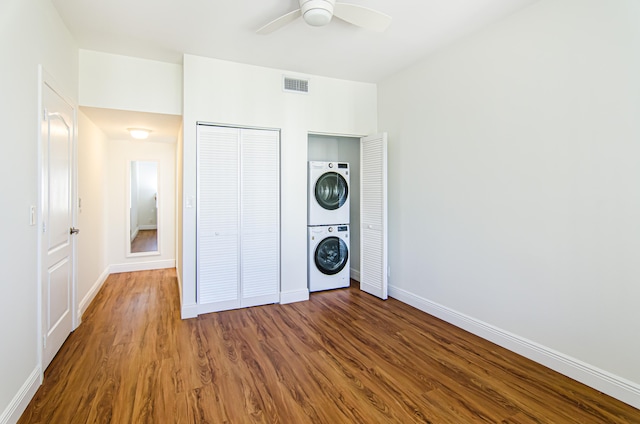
218	237
260	217
373	215
238	227
57	221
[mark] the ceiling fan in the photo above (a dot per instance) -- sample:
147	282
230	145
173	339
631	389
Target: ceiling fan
320	12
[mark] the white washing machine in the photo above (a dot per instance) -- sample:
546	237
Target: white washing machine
328	193
329	265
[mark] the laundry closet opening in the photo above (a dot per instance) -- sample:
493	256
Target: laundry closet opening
330	148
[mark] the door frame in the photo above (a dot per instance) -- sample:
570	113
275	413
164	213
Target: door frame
385	277
46	79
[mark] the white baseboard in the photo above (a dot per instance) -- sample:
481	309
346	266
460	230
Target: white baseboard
613	385
189	311
294	296
21	400
142	266
86	301
355	274
148	227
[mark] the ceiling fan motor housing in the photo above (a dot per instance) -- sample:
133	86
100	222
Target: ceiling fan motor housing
317	12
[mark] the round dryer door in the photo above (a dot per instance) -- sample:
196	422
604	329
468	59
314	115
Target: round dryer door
331	255
331	191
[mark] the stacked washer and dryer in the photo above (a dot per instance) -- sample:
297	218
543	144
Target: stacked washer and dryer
328	226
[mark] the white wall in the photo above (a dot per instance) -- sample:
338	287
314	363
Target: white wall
513	185
93	267
120	154
120	82
31	33
236	94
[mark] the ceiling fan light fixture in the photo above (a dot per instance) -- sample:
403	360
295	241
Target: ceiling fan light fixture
317	12
317	17
139	133
320	13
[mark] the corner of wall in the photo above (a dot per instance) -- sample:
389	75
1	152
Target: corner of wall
294	296
21	400
189	311
93	291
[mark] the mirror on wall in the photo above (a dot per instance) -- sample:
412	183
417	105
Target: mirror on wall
143	209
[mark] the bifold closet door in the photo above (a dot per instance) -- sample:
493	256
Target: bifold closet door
238	225
373	215
218	213
260	212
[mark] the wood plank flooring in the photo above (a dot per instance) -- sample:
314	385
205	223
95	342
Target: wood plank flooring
145	241
342	357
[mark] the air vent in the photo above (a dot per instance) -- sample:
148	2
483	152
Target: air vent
295	85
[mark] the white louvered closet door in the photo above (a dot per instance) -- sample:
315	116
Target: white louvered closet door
260	212
218	217
373	215
238	217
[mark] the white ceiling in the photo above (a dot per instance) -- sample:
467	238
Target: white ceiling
225	29
114	123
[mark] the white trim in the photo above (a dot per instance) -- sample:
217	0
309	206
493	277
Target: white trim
142	266
613	385
355	274
189	311
294	296
207	308
93	291
238	127
148	227
21	400
39	221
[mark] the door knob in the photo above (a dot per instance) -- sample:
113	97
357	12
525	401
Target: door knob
74	230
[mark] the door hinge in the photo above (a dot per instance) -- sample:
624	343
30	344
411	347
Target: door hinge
44	227
44	114
44	342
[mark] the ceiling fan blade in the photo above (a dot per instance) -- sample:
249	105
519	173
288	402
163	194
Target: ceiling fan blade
362	16
279	22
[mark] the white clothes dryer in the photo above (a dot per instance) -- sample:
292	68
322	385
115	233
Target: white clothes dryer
328	193
329	264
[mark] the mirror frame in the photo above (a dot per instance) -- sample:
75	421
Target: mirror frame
128	240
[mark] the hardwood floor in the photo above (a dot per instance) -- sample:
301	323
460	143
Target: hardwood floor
145	241
342	357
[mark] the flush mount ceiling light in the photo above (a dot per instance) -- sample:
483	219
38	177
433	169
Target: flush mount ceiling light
139	133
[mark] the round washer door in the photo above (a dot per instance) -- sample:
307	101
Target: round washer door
331	190
331	255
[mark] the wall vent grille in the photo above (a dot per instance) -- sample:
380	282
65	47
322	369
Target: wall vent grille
295	85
